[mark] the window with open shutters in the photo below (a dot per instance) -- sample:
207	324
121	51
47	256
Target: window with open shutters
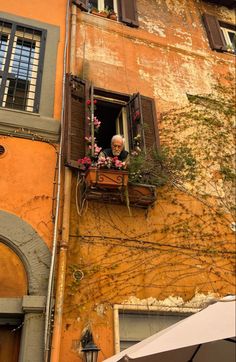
221	35
126	10
133	116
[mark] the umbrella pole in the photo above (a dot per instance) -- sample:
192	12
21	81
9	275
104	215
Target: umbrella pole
195	352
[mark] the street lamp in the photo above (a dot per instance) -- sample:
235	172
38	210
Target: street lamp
90	352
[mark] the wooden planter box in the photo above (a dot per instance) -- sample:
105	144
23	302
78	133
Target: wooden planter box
142	195
106	178
103	15
112	17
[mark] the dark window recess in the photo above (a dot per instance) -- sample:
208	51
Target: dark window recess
214	33
228	3
21	64
82	4
140	118
127	10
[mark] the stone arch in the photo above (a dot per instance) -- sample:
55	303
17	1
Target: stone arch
31	249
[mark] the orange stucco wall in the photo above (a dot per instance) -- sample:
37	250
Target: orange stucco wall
155	253
52	12
13	279
28	166
27	176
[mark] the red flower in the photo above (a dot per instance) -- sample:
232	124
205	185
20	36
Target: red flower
88	102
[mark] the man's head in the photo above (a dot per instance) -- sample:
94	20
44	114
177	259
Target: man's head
117	144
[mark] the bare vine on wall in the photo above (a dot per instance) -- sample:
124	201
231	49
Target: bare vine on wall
186	243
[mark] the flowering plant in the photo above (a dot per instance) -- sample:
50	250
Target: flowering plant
92	159
97	149
111	162
84	163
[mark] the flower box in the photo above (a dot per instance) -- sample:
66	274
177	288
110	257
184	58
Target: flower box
103	14
141	195
107	178
112	17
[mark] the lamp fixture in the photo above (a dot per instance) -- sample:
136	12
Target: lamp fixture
90	352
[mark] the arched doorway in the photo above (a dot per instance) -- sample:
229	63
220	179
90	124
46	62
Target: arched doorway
24	265
13	284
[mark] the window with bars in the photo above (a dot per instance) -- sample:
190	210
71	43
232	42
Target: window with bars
21	61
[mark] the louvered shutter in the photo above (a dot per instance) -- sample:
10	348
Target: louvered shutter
214	33
150	122
128	12
75	116
135	125
142	120
82	4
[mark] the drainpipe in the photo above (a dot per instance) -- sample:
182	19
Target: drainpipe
63	247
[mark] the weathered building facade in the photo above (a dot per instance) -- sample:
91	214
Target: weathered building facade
123	271
132	272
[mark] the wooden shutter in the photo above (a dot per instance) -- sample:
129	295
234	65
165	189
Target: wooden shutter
75	116
128	12
150	122
214	33
142	120
135	125
82	4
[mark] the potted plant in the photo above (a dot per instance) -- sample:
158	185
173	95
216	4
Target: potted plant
112	15
106	172
103	13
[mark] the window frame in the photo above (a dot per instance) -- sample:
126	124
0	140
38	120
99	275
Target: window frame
225	30
127	308
78	93
7	74
43	124
101	5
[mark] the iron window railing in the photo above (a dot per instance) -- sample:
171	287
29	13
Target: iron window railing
21	65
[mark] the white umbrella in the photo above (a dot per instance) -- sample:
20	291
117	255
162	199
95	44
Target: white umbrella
206	336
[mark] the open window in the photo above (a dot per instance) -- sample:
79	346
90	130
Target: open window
221	35
132	116
126	10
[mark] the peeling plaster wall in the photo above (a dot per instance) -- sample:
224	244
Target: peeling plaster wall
165	58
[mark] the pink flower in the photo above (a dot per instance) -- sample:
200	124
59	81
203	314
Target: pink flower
84	163
118	163
96	122
88	102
